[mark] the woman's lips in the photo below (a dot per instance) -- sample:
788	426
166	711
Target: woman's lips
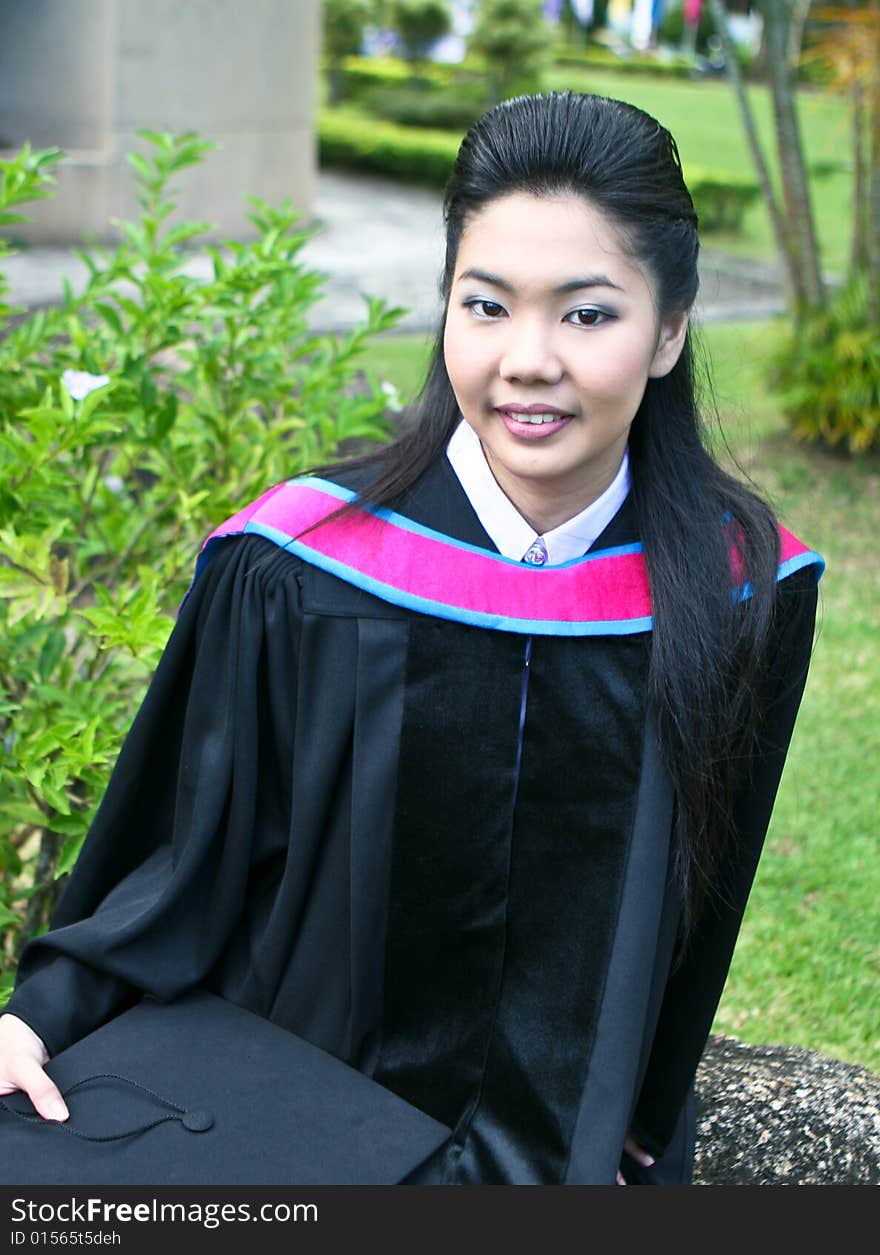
525	426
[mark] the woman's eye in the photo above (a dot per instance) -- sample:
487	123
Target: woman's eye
486	309
588	317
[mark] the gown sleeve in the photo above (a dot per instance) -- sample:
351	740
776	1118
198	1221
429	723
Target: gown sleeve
198	798
693	990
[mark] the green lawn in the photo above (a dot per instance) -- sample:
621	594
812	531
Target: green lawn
806	967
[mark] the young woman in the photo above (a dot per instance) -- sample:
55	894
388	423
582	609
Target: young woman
469	787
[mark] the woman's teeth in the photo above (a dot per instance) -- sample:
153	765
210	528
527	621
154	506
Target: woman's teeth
537	418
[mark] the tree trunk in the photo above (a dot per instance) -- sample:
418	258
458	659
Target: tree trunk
859	253
872	216
799	13
795	187
777	220
873	199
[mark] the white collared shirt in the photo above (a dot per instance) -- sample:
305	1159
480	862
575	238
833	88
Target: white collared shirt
510	532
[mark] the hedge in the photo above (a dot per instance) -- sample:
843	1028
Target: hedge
353	141
434	108
602	60
721	199
350	140
360	73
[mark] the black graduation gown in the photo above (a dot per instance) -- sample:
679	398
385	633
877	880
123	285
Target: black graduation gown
438	851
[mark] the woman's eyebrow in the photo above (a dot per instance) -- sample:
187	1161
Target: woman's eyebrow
570	285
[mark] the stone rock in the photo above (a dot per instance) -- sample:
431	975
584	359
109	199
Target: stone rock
782	1115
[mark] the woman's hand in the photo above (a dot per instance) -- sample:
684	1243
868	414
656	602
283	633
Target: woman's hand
636	1152
22	1055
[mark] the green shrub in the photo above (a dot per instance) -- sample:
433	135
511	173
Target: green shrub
196	396
365	74
342	34
343	25
430	107
26	177
513	39
721	199
828	373
369	71
353	141
598	58
419	23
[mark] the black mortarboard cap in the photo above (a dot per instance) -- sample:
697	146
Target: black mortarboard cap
204	1092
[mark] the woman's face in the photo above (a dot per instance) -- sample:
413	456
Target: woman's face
551	336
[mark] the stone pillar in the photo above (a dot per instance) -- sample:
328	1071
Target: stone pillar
85	75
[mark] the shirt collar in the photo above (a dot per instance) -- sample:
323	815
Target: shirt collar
509	531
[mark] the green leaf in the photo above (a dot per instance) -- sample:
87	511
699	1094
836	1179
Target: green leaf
110	317
165	417
186	231
148	393
74	825
34	773
141	166
67	402
51	653
161	139
68	855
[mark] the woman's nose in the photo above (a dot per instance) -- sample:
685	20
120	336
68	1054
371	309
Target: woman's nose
529	354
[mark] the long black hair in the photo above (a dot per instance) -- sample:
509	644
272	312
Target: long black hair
707	647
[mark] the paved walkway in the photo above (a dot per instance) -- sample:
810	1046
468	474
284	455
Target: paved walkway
380	237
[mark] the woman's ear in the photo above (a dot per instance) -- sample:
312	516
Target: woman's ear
669	347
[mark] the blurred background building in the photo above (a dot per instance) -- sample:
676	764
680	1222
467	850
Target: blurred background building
86	75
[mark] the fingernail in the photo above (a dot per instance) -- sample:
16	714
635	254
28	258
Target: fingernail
647	1160
57	1111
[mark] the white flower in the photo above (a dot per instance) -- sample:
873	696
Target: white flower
394	402
79	383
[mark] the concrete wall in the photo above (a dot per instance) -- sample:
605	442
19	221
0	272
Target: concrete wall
56	72
85	75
